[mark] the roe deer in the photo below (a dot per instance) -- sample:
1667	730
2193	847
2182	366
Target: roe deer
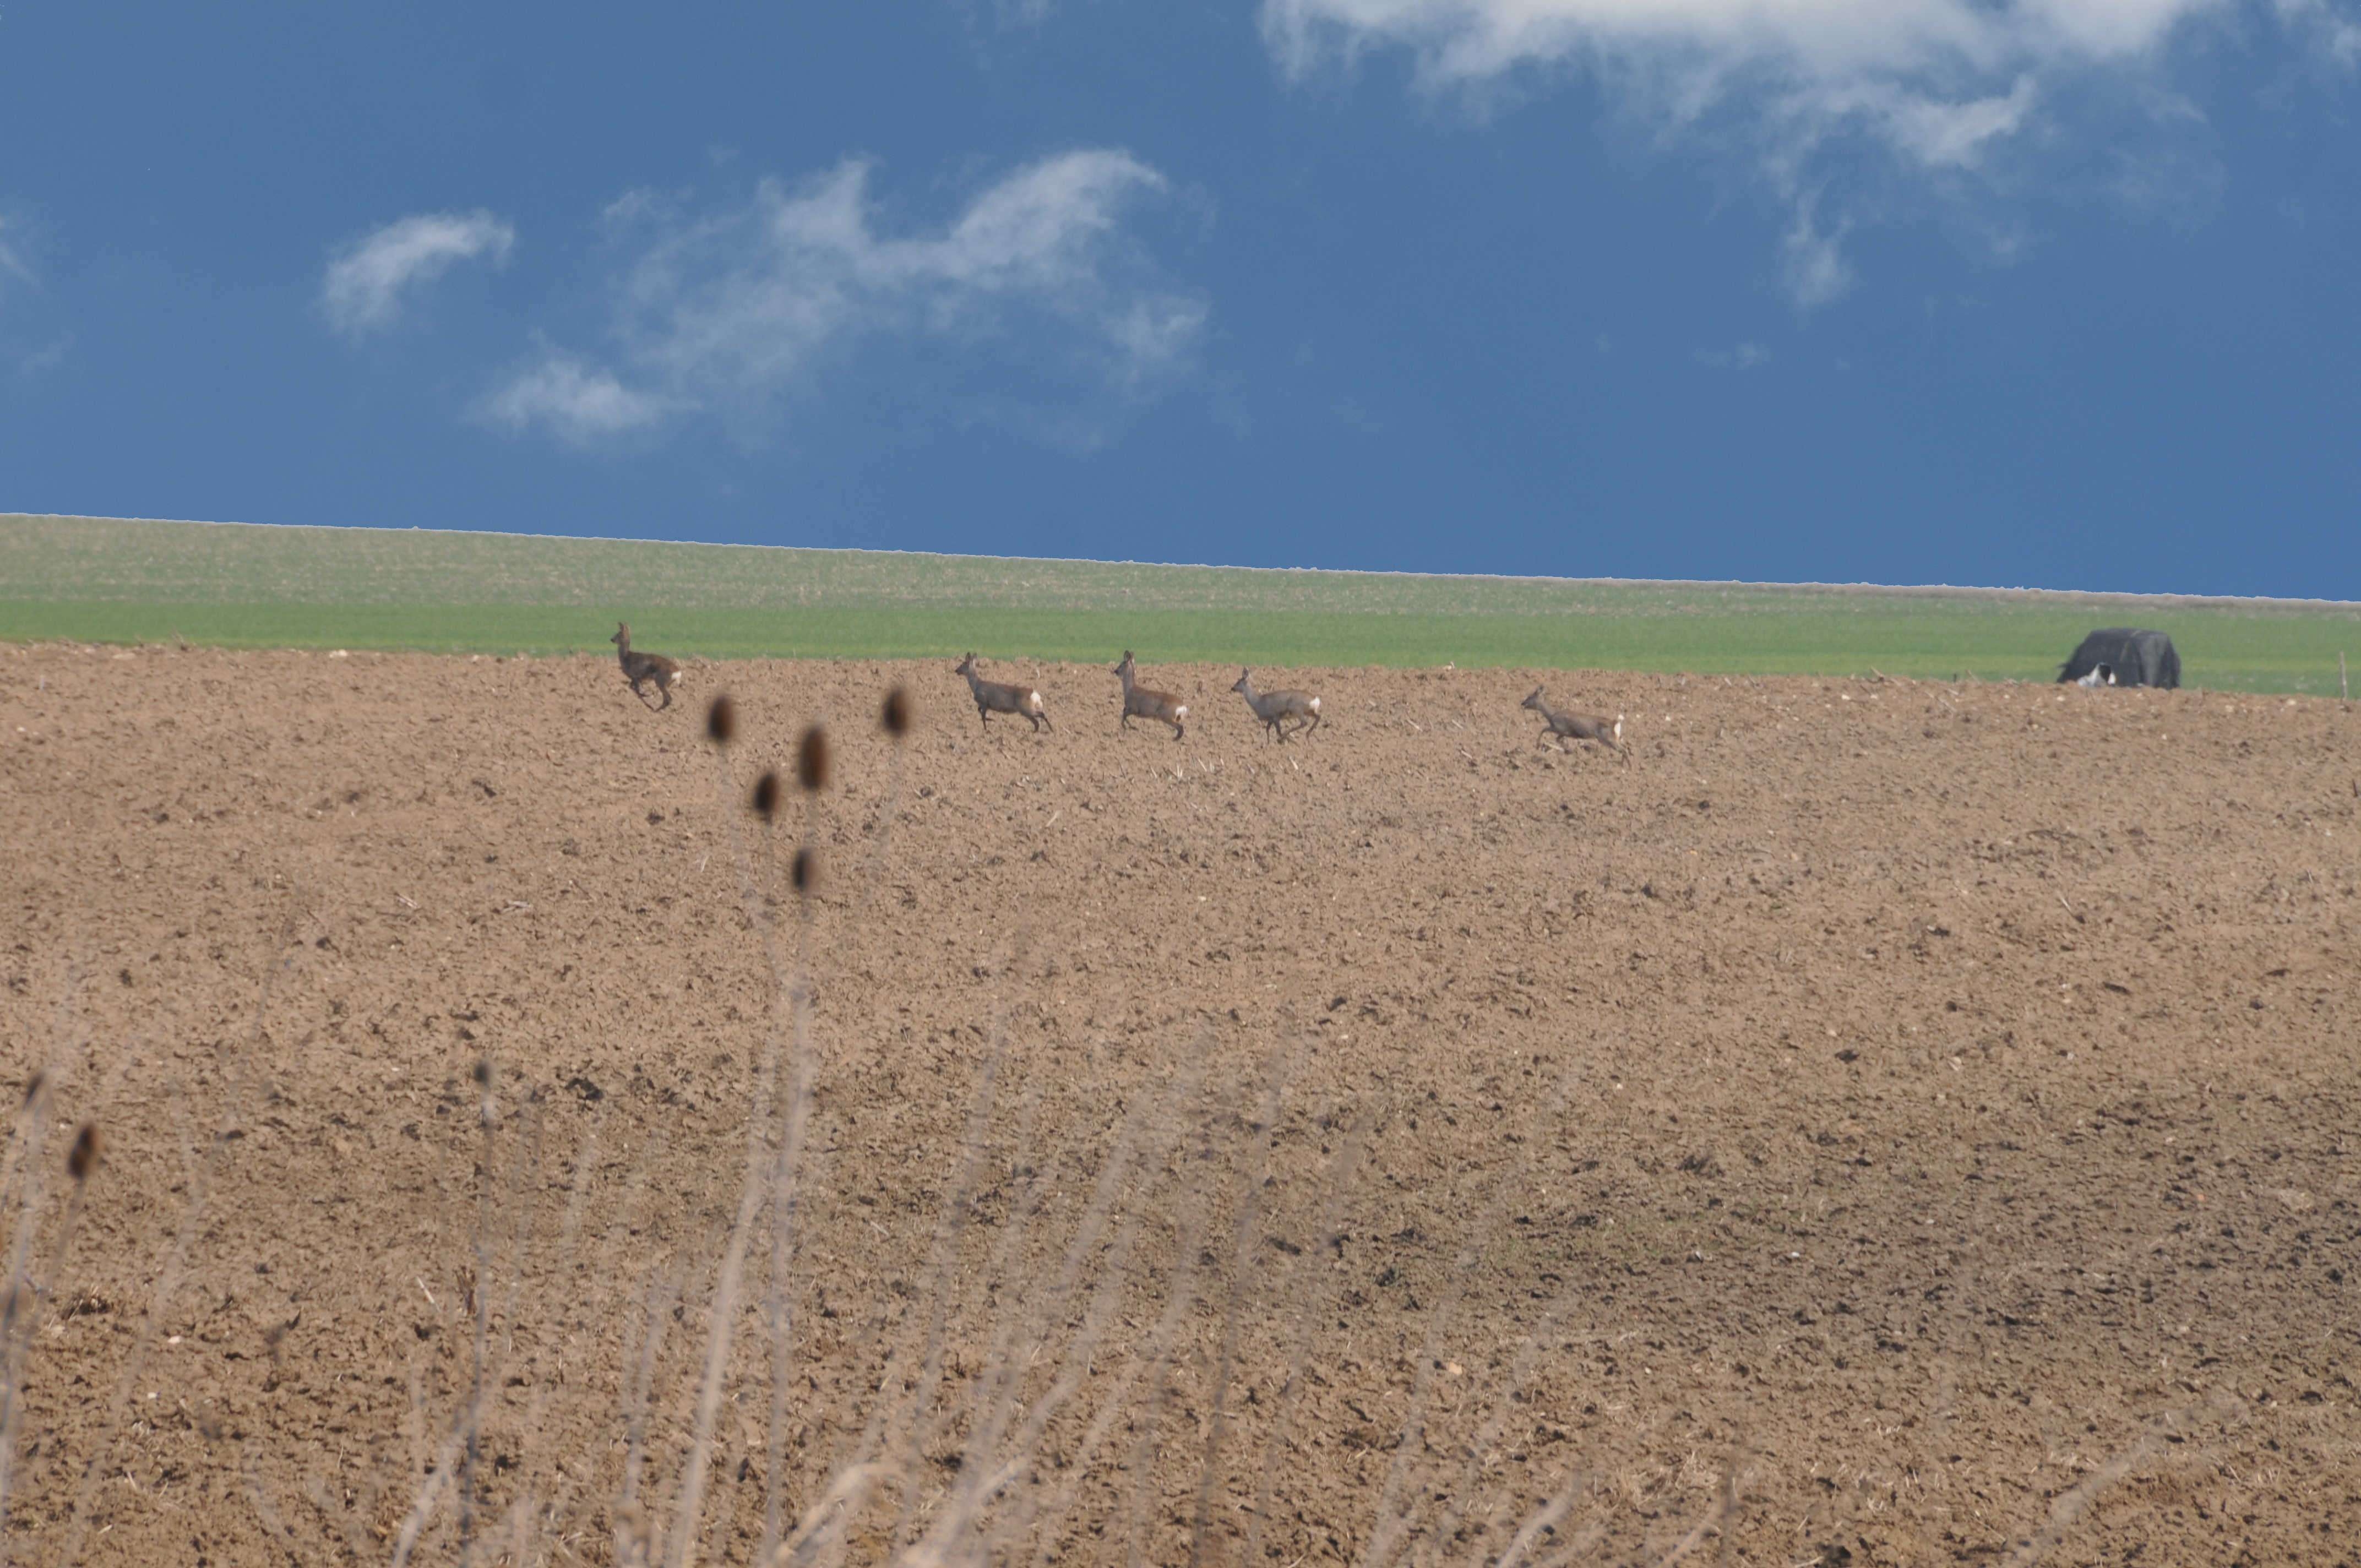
1148	704
638	667
1608	732
992	696
1273	707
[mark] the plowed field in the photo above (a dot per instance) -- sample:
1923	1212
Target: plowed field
1875	1123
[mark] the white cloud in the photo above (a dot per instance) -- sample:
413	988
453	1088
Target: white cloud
366	281
35	335
1938	85
1934	133
13	265
578	401
1738	357
1816	268
1838	42
2338	37
725	312
1155	333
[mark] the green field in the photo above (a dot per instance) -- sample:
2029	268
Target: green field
96	580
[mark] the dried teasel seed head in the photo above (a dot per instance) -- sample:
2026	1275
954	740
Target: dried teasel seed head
721	720
897	717
766	796
807	868
86	1151
811	759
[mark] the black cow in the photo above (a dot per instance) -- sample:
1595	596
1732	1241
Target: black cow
2137	658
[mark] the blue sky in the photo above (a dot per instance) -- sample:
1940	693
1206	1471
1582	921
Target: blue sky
2053	293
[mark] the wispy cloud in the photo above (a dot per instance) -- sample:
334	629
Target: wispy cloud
726	312
1817	271
1948	51
367	280
580	403
13	267
1938	85
1738	357
2338	35
35	335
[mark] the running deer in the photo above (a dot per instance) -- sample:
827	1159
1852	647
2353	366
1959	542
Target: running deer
638	667
1146	703
1273	707
1579	726
992	696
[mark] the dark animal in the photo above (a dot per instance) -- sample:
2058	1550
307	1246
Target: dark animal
1608	732
992	696
2137	658
1148	704
1273	707
639	667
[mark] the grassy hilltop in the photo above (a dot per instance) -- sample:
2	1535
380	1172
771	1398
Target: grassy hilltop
241	585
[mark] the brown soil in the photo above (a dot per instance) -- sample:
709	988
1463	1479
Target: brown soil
1879	1123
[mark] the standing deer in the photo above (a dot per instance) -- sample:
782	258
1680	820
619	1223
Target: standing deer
1273	707
638	667
1579	726
1146	703
992	696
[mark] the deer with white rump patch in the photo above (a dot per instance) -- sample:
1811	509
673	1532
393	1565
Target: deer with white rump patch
992	697
1273	707
1138	699
639	667
1579	726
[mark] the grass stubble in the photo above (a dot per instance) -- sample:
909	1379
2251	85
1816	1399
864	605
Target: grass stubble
428	590
1049	1447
